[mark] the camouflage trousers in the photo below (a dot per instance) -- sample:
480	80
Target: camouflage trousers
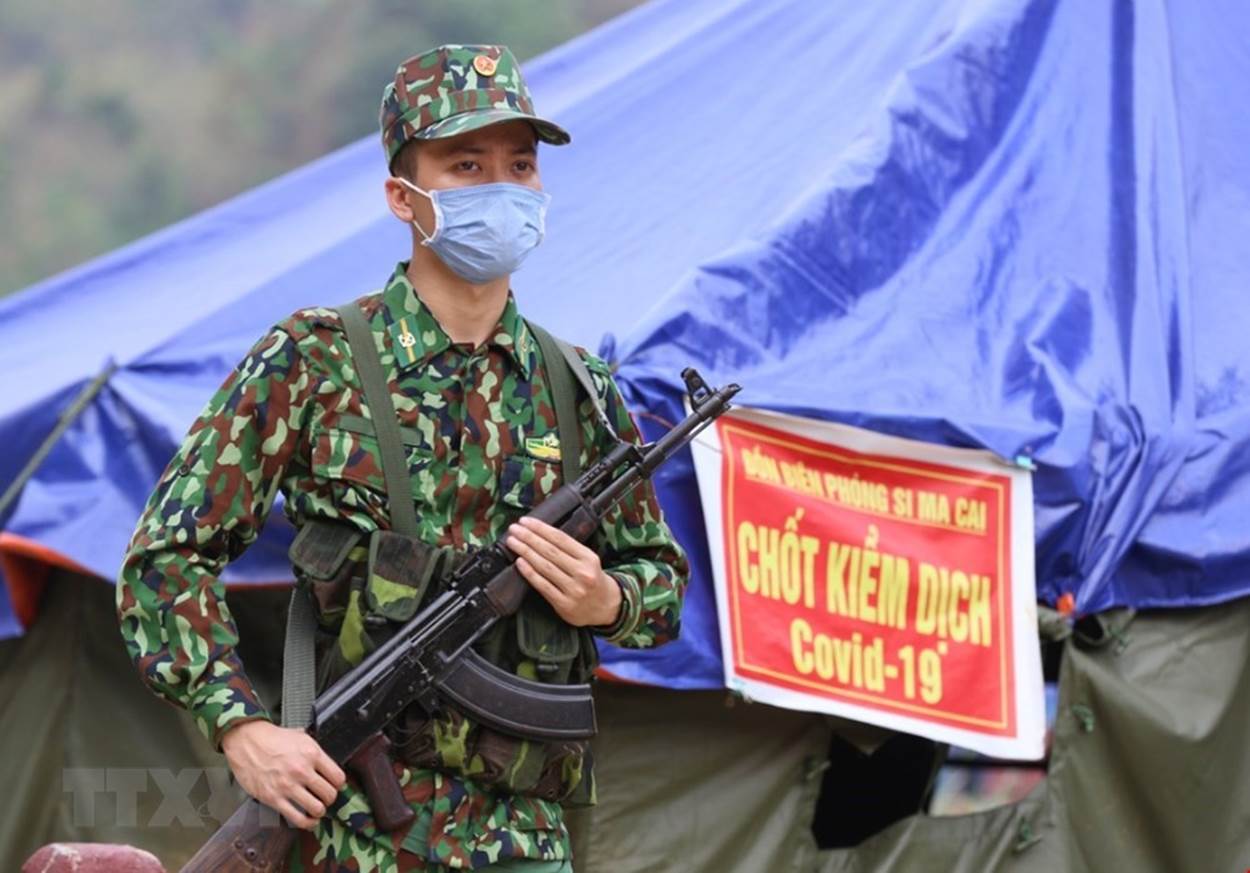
346	852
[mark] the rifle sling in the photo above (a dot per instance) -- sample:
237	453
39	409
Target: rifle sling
299	660
564	396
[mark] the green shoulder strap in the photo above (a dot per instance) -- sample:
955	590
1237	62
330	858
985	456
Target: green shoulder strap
564	396
364	352
299	658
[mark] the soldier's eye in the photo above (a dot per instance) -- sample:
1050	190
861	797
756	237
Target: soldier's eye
523	166
466	166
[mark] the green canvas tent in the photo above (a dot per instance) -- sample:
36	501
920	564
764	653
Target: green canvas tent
1148	768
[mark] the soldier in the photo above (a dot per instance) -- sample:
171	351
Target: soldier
472	391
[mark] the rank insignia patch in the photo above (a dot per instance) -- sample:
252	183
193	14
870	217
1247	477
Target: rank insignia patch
407	344
546	448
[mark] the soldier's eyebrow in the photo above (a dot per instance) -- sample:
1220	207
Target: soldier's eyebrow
464	150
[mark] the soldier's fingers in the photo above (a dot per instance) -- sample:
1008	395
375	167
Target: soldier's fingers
307	801
540	567
545	589
526	548
535	546
557	538
294	815
329	770
321	787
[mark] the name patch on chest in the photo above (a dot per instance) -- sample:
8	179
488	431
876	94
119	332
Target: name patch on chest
546	448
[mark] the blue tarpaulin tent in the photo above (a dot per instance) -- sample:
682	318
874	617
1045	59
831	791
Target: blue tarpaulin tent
1011	224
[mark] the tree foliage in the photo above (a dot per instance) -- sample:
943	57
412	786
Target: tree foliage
119	117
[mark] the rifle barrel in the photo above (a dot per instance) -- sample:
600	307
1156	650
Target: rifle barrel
665	447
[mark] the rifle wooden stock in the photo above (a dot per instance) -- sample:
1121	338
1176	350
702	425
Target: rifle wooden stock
255	839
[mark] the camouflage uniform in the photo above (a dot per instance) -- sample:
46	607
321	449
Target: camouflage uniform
482	448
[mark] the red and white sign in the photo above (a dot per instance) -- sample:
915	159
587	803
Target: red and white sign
875	578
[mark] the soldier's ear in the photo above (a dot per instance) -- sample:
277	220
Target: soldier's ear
399	199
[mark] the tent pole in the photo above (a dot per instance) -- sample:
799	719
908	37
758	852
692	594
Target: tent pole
68	416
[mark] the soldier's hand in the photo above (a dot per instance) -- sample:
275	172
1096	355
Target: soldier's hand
565	572
284	769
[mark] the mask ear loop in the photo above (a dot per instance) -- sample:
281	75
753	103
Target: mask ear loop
542	216
426	239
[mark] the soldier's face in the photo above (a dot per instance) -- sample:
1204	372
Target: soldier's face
504	152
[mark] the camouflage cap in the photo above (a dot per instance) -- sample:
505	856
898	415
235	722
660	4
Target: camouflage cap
455	88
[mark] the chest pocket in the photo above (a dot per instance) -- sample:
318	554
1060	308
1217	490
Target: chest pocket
524	482
349	451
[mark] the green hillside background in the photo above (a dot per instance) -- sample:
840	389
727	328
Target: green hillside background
120	116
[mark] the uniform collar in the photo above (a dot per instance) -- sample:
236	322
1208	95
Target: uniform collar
416	335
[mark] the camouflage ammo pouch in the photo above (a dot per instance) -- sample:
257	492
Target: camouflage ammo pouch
365	585
328	560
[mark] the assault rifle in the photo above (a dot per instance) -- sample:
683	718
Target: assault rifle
430	660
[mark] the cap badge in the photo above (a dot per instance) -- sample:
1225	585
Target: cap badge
485	65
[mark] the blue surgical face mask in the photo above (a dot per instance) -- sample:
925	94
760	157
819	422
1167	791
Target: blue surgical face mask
483	232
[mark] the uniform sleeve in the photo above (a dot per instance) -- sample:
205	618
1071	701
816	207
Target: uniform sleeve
208	506
636	545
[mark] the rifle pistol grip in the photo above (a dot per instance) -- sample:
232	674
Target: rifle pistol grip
371	765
